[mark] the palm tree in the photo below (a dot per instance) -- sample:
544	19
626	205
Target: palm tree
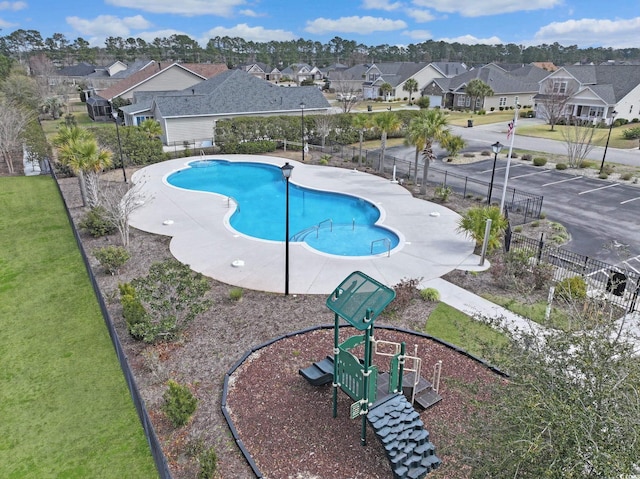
151	128
78	149
410	86
427	127
415	137
453	144
477	89
385	90
473	223
361	122
386	122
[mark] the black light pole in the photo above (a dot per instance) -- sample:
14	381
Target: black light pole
496	147
613	117
115	117
286	172
302	129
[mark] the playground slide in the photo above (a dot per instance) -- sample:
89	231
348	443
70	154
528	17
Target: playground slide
319	373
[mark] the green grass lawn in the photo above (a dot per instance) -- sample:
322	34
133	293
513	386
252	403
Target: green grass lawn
65	407
599	137
450	325
534	311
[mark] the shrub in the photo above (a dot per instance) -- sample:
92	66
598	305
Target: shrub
539	161
543	215
208	460
111	258
406	291
608	169
626	176
473	223
133	311
179	403
493	108
526	157
604	175
518	229
443	192
430	294
173	295
561	166
95	223
631	133
481	112
485	153
423	102
468	155
513	154
572	288
235	294
585	164
249	147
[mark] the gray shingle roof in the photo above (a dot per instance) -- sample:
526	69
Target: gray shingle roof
501	81
238	92
610	82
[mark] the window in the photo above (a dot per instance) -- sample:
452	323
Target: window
503	101
373	76
596	111
467	101
461	100
559	87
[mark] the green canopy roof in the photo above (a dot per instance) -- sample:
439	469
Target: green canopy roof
359	299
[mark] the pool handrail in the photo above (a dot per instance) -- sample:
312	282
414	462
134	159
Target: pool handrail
386	241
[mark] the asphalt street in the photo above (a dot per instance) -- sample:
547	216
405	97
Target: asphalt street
602	216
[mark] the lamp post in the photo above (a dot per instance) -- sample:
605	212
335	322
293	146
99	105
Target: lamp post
115	118
497	148
302	129
604	155
286	172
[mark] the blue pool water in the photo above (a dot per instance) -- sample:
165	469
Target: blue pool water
329	222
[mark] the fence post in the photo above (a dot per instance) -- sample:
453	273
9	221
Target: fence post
485	243
464	192
445	178
540	246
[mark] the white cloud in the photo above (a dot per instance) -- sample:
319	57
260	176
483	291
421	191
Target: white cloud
256	34
420	16
380	5
189	8
5	24
471	40
591	32
470	8
418	35
362	25
250	13
14	6
108	25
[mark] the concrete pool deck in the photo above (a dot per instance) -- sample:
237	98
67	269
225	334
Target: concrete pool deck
198	223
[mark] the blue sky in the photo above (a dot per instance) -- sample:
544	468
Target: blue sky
614	23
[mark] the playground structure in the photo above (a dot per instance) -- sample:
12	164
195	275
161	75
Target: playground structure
383	399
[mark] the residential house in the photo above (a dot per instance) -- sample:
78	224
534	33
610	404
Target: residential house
191	115
595	91
517	86
299	72
154	77
263	71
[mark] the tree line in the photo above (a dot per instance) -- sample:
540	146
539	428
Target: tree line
234	51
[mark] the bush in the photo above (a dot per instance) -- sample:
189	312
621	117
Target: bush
585	164
561	166
179	403
526	157
604	175
430	294
443	192
481	112
572	288
631	133
543	215
406	291
208	460
249	147
95	223
626	176
235	294
539	161
111	258
133	310
485	153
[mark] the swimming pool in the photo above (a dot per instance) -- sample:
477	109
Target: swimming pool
332	223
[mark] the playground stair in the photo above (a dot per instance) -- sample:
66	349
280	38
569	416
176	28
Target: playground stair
319	373
405	440
425	396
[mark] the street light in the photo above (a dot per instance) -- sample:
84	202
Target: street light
115	118
613	117
302	131
286	172
497	148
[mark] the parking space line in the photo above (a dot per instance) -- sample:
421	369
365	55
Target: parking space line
530	174
500	168
601	188
563	181
627	263
629	201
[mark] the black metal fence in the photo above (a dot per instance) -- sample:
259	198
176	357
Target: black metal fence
149	431
621	286
522	206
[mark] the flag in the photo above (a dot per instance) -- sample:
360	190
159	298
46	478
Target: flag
509	129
